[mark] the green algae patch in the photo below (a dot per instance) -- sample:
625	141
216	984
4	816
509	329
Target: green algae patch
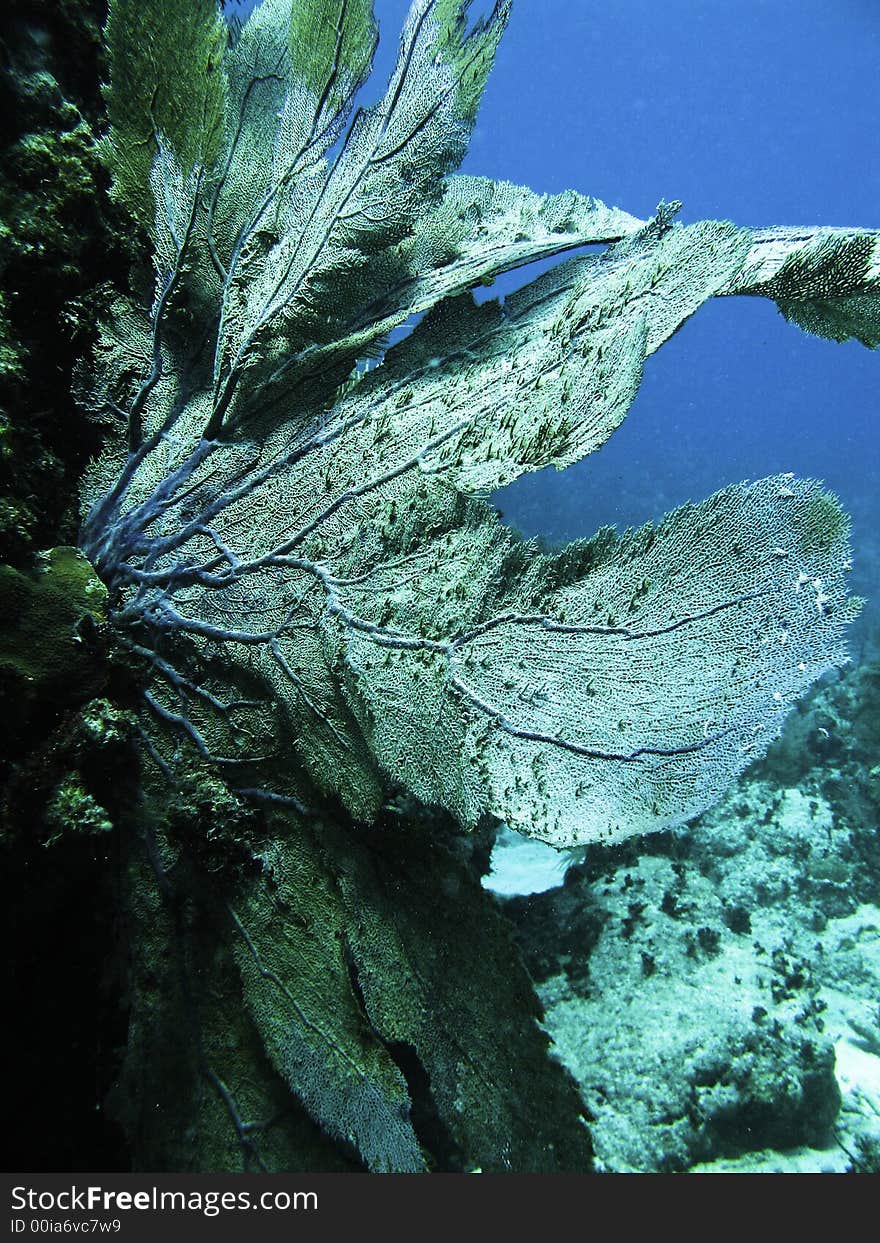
825	523
46	618
73	809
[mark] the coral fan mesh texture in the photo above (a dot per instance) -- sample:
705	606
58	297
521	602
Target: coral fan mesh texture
294	539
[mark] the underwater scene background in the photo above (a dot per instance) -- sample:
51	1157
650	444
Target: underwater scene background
715	971
712	991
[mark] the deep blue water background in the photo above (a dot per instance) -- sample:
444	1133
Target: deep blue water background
758	111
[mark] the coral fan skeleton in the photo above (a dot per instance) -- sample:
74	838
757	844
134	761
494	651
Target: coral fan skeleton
327	619
303	522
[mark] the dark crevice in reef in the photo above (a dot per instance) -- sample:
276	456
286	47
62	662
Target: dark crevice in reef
63	250
427	1123
431	1131
60	252
66	1025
